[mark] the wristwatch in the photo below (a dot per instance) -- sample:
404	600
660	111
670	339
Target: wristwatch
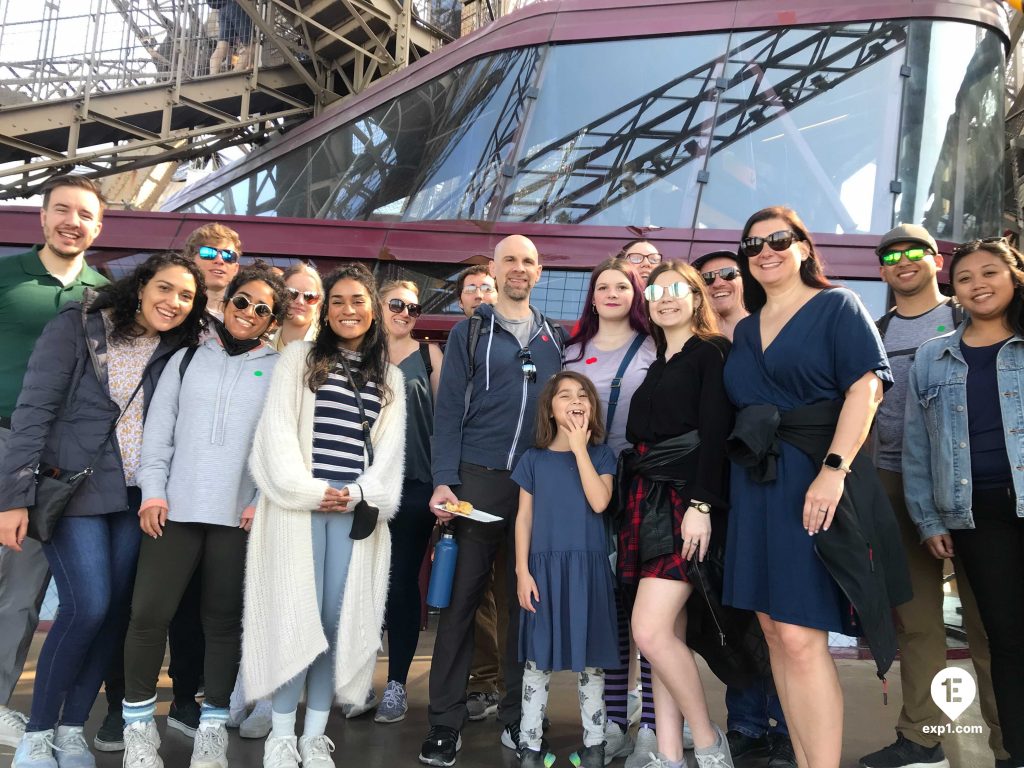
835	461
701	506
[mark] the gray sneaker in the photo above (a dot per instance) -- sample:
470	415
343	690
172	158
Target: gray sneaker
393	705
12	726
70	748
617	743
646	747
481	705
35	751
717	756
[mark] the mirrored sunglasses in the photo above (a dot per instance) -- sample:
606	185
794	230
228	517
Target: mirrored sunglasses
677	290
241	303
209	253
310	297
398	306
777	241
726	273
892	258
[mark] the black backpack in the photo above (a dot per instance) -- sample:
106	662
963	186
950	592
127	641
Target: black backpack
883	325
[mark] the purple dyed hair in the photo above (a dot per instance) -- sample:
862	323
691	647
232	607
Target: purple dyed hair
587	325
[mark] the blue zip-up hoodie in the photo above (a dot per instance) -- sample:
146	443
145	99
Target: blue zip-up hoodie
497	427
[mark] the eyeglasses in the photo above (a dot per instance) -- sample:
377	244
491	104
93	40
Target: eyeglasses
972	245
209	253
726	273
892	258
241	303
777	241
638	258
679	290
310	297
483	288
529	369
398	306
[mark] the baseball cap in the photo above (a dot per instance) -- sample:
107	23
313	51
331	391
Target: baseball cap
907	233
700	261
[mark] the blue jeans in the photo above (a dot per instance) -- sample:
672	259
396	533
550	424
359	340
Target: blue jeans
93	562
750	708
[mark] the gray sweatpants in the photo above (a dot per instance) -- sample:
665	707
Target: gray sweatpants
536	685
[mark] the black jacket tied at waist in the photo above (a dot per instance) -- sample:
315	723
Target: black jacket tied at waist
861	549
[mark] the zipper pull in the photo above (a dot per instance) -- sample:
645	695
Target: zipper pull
871	558
885	692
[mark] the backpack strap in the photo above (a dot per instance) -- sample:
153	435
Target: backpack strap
613	395
425	354
475	323
958	313
186	360
883	322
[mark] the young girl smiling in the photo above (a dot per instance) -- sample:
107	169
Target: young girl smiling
564	580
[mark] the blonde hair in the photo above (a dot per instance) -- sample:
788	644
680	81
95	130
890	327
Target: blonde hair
211	233
305	268
407	285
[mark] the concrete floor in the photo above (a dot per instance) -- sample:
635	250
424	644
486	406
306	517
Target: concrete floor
364	744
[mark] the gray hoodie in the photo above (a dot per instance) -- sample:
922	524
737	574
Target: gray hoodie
199	433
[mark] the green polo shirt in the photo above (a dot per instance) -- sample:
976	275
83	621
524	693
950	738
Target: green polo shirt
29	298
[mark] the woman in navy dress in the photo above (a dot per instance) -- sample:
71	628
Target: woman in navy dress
805	342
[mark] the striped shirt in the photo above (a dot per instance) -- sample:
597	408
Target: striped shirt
338	441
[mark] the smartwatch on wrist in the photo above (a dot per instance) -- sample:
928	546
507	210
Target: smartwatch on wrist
837	462
701	506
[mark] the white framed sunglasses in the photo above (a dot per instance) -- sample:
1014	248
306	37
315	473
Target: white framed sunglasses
677	290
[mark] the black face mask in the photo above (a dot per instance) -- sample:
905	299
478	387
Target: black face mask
232	345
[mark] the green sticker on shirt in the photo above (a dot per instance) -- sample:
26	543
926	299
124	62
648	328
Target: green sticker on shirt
940	328
257	373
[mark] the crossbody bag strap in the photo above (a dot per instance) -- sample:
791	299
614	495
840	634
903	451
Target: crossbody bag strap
362	412
613	395
113	427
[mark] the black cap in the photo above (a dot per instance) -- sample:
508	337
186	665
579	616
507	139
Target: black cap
907	233
700	261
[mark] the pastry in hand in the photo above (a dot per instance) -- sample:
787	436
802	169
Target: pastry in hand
458	508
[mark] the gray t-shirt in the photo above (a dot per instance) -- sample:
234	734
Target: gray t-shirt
600	367
902	338
521	329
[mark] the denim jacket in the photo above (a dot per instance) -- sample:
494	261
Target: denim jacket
936	449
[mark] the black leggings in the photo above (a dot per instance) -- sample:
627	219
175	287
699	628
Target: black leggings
166	566
410	535
993	554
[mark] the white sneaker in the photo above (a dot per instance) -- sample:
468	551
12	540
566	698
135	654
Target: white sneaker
355	710
211	747
717	756
646	747
316	751
617	743
280	752
141	742
257	725
634	705
71	749
12	726
35	751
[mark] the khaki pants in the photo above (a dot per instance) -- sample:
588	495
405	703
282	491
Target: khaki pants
921	634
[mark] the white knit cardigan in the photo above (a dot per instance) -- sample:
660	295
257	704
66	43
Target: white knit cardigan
281	629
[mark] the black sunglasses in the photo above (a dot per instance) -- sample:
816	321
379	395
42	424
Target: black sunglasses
398	306
726	273
972	245
310	297
529	369
242	303
209	253
777	241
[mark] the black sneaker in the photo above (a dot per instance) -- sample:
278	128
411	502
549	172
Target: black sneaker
780	751
903	753
440	746
537	758
510	736
588	757
184	716
110	736
480	705
740	744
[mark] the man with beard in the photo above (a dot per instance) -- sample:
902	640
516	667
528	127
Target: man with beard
33	286
495	365
909	264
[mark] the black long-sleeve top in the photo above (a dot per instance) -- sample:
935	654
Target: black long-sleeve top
684	393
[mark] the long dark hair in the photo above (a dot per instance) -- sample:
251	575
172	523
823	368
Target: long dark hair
589	322
122	299
261	271
704	323
811	272
373	349
1014	260
547	429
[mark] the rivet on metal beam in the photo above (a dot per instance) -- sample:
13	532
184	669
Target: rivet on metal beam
905	70
703	177
896	187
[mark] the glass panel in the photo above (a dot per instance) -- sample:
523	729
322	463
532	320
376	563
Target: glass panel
808	118
560	293
874	294
951	143
628	151
435	281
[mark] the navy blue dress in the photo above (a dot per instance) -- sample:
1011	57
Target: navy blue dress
575	625
771	565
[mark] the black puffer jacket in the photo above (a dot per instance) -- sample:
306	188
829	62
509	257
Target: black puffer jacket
64	412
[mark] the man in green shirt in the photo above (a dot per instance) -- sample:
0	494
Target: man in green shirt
33	286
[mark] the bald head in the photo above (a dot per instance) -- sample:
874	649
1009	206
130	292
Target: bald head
516	268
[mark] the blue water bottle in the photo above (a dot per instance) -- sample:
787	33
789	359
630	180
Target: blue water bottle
442	573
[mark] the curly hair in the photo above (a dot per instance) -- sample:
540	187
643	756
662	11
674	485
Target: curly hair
1014	259
589	322
704	323
262	272
373	347
122	298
